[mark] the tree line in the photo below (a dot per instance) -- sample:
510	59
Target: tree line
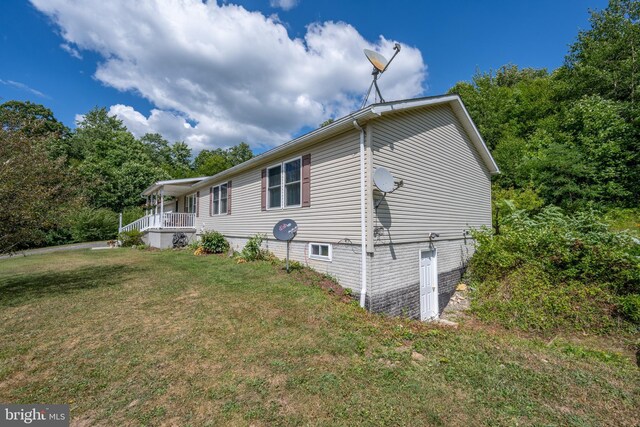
568	138
61	185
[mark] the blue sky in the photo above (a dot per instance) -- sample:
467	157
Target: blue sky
261	78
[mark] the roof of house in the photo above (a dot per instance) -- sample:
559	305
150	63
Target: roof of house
360	117
172	186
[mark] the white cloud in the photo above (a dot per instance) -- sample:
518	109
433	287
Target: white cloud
236	74
284	4
71	50
22	86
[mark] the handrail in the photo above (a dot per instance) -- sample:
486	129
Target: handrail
169	220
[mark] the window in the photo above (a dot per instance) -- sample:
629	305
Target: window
223	199
190	205
292	180
289	173
219	200
216	201
321	251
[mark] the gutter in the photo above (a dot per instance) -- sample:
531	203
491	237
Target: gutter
340	125
363	231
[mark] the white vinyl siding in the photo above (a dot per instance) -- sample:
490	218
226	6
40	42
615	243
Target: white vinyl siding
334	214
447	186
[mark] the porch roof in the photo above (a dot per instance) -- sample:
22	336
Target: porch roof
172	187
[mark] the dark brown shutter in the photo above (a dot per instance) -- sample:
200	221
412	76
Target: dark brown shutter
229	198
210	201
197	204
306	180
264	189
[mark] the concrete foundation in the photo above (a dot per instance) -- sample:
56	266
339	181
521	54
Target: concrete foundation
162	238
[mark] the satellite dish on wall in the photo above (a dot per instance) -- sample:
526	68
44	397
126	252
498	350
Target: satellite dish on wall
376	59
383	179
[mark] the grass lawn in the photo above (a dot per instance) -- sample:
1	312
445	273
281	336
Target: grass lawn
131	337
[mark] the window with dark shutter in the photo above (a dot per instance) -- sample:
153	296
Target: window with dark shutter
229	198
210	200
197	203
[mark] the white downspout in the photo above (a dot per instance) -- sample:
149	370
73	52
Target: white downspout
363	231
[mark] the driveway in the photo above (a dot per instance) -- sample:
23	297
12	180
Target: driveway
72	247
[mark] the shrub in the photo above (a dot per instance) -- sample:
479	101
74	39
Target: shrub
213	242
93	224
551	271
132	238
253	251
629	307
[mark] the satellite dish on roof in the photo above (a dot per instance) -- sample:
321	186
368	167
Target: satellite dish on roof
383	179
380	65
376	59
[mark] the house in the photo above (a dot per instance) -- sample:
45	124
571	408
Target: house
402	252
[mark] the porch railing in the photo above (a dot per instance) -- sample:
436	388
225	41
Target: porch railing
168	220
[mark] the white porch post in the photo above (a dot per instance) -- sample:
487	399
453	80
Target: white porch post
161	208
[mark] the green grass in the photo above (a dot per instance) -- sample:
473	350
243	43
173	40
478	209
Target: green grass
133	337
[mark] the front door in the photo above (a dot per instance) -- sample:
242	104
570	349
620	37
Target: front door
428	285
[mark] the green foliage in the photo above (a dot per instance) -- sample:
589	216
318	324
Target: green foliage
572	134
213	242
629	307
552	271
253	251
131	238
624	220
116	164
507	201
605	59
30	120
90	224
36	192
211	162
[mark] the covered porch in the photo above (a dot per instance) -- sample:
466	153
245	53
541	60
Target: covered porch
161	208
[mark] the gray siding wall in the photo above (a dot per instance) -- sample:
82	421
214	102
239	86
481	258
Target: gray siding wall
394	275
447	187
334	214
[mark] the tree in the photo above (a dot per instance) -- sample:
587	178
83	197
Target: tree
211	162
174	158
117	165
36	192
31	120
605	59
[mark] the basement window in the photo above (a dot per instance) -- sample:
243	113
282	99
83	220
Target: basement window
320	251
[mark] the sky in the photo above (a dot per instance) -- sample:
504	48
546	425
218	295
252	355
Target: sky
261	71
